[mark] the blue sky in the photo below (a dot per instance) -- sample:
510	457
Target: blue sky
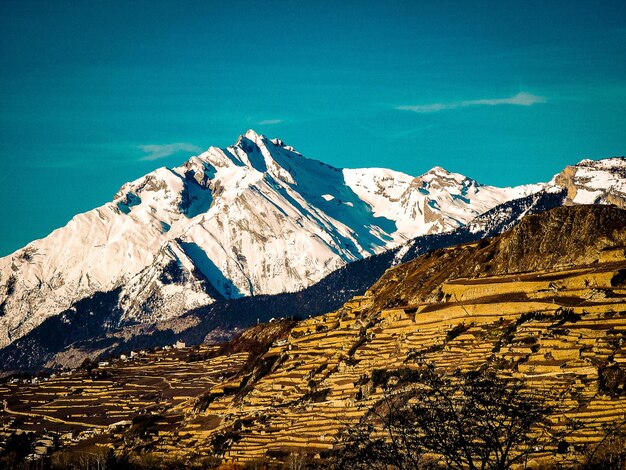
96	93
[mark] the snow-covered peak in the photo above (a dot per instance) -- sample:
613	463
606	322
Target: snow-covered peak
256	217
613	165
253	135
437	171
594	181
436	201
254	152
442	176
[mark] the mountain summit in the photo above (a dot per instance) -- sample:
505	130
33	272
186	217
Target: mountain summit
254	218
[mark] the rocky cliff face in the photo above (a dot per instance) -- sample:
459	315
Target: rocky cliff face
595	182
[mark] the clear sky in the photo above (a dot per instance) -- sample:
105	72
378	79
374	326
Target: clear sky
96	93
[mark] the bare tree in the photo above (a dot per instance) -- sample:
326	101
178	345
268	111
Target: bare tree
473	420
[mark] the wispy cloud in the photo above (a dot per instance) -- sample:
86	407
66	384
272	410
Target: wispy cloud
267	122
521	99
156	151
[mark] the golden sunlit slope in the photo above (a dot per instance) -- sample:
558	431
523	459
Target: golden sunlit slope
544	302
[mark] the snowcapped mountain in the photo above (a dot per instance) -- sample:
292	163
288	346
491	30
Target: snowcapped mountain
434	202
254	218
595	182
91	328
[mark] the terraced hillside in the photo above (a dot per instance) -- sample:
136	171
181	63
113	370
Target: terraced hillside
90	408
544	302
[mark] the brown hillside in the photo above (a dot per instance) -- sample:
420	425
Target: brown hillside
556	240
545	302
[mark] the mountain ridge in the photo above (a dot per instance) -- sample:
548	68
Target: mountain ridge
254	218
221	320
122	322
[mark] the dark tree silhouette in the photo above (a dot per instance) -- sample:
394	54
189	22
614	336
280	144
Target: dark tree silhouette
473	420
